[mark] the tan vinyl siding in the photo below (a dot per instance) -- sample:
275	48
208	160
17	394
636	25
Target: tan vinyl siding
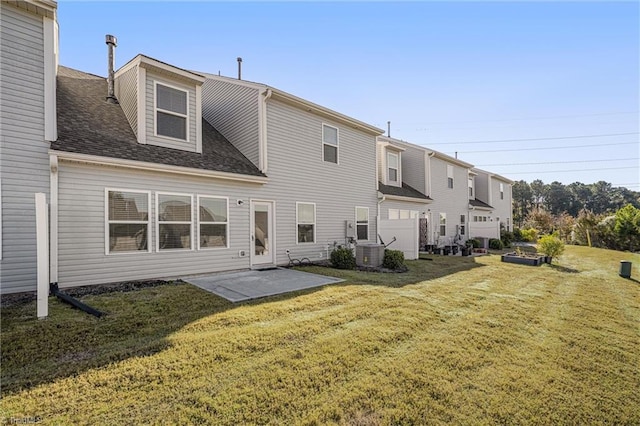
233	110
126	88
23	151
190	144
82	258
298	173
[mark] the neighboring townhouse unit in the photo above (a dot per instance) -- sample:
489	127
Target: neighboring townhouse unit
28	56
490	204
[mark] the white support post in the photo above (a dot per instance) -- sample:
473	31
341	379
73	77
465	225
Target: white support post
42	248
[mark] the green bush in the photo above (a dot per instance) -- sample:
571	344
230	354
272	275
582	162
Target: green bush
529	235
475	243
551	246
506	237
343	258
495	244
517	234
393	259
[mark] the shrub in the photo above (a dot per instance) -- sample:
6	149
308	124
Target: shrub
475	243
506	237
495	244
551	246
517	234
343	258
529	235
393	259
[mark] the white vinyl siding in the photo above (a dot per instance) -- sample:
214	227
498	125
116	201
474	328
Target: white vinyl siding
443	224
171	112
362	223
330	138
213	222
174	225
306	222
126	90
24	159
393	168
127	221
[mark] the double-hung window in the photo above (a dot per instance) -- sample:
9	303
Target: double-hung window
127	221
329	144
362	223
172	115
443	224
462	224
306	222
449	177
393	167
174	222
213	222
470	188
502	191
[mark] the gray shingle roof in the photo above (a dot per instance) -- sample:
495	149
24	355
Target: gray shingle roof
405	191
477	203
87	124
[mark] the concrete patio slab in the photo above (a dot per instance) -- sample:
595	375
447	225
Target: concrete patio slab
248	285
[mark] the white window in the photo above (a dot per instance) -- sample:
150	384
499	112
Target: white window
470	187
213	222
127	221
362	223
463	219
405	214
394	214
502	191
449	176
306	222
171	112
173	226
393	174
443	224
413	214
508	224
329	144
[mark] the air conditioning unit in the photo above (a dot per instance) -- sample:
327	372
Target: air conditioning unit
369	255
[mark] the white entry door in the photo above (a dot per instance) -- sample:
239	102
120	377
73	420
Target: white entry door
262	237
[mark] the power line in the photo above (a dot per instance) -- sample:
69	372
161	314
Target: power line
548	148
527	118
536	139
558	162
571	171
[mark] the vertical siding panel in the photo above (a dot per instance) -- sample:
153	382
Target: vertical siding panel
23	151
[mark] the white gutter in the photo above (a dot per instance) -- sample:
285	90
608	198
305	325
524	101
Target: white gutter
155	167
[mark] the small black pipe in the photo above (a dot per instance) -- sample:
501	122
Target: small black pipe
53	289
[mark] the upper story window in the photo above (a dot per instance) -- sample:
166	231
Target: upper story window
470	187
171	112
449	177
329	144
502	191
393	167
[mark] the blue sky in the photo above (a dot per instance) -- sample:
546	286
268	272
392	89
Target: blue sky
442	72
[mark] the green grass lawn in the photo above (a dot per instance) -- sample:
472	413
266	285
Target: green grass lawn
454	340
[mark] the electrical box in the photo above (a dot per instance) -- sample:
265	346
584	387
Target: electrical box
242	253
350	229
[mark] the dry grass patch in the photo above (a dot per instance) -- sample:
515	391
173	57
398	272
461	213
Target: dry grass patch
471	341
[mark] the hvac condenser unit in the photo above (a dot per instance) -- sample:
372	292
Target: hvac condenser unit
369	255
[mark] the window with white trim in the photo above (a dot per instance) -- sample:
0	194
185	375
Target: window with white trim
508	224
127	217
463	219
393	167
172	116
449	176
306	222
502	191
362	223
213	222
443	224
394	214
330	144
470	187
174	221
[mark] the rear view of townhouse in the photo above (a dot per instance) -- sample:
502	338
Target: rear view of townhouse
157	171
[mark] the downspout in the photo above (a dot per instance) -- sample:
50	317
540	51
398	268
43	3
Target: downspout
263	163
429	157
53	219
380	201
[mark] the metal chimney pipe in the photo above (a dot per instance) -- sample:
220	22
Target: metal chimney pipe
111	44
388	129
239	68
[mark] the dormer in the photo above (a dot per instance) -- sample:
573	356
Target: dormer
390	164
162	103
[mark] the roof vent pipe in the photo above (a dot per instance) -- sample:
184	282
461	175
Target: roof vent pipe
388	129
239	68
111	44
